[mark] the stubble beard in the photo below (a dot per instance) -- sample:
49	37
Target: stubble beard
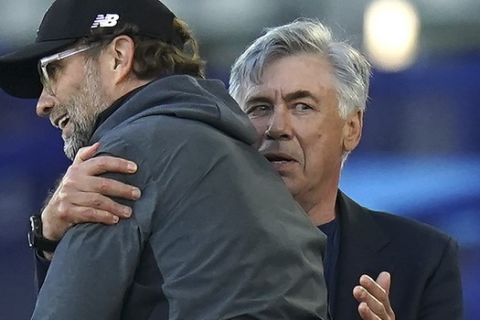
84	109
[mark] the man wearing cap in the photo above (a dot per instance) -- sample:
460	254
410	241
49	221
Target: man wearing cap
126	77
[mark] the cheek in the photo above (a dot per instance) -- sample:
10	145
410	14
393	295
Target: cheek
67	90
322	152
312	144
260	126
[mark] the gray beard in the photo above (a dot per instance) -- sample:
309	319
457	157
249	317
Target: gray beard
84	110
82	133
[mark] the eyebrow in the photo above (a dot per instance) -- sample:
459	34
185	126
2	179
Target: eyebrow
257	100
300	94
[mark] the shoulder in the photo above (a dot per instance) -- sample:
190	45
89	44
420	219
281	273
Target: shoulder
423	243
405	234
392	223
164	132
416	230
181	151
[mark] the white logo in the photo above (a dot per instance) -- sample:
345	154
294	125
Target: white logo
105	20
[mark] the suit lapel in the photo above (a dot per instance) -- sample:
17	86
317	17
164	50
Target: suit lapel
362	248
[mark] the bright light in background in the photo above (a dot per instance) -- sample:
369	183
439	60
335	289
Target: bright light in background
391	29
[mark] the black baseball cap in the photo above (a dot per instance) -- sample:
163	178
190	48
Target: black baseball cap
66	21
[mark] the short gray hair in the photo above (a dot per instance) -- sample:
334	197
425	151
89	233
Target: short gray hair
352	70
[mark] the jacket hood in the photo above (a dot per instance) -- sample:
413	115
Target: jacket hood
186	97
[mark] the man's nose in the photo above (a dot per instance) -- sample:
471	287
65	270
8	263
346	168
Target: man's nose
45	104
280	125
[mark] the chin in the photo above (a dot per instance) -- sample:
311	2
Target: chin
291	185
70	148
69	152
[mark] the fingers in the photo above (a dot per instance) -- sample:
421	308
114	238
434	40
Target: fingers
373	288
380	290
103	164
95	201
368	303
83	196
85	214
366	313
86	153
69	207
374	297
114	188
84	177
100	185
384	280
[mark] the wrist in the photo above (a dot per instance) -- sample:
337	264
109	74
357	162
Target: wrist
48	232
37	240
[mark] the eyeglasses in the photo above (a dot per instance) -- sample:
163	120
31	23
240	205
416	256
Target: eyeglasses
47	69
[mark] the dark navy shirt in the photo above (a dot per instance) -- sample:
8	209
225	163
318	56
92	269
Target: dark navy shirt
332	231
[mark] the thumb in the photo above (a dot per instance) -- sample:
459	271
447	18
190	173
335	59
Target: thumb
86	153
384	281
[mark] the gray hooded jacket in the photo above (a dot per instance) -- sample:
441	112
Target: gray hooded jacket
215	235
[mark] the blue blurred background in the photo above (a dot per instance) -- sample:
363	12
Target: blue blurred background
419	155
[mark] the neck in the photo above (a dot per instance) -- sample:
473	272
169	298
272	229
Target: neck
320	205
125	87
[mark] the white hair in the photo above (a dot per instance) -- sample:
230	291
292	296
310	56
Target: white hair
351	69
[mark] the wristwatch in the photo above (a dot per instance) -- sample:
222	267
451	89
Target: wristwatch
36	239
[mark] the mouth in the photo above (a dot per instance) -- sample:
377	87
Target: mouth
61	122
279	157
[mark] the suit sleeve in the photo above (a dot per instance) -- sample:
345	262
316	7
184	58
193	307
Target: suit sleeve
442	298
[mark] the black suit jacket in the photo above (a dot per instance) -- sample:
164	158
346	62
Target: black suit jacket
422	261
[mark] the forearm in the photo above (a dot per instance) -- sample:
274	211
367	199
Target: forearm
41	267
90	273
42	258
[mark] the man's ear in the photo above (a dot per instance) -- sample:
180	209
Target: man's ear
121	57
352	130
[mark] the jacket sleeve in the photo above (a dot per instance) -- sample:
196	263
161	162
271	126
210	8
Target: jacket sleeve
90	273
93	266
41	267
442	298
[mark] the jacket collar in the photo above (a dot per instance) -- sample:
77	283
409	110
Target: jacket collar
360	232
363	250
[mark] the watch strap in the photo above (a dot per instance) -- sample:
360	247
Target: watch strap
36	239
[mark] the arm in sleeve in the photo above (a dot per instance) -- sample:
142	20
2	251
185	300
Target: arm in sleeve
442	298
41	267
93	267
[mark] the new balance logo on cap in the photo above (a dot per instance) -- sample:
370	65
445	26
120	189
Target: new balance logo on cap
105	20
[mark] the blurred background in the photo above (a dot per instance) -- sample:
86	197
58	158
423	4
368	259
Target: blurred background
419	155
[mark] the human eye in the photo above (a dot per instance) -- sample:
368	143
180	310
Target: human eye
302	107
258	110
53	70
